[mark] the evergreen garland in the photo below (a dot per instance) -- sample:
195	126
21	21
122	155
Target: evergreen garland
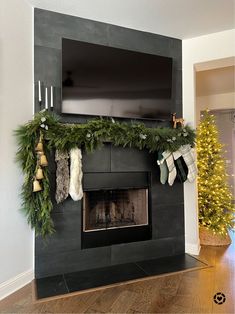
90	136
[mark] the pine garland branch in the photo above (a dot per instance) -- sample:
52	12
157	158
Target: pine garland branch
90	136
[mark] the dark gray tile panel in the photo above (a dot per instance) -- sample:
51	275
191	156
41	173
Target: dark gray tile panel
137	251
68	206
131	39
51	286
168	221
179	245
115	180
131	159
100	161
47	65
102	276
71	261
176	52
50	27
165	194
67	236
169	264
177	91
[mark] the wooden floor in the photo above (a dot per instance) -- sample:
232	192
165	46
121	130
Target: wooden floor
190	292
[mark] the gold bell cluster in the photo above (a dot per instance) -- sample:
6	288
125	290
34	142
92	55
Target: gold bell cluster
41	162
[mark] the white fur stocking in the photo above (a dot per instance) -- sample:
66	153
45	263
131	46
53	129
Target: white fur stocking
75	186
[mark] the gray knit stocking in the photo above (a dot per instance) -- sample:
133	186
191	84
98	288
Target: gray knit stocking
62	176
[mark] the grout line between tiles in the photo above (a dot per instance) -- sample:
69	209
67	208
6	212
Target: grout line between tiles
146	273
65	282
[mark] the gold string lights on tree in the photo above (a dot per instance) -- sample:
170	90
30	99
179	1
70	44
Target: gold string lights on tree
216	211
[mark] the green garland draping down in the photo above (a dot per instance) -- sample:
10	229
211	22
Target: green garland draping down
90	136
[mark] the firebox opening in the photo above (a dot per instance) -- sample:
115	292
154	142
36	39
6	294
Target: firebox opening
116	215
111	209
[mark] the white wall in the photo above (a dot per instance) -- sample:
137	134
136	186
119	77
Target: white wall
214	102
215	88
195	51
16	107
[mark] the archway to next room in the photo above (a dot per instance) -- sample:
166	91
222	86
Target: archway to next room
215	91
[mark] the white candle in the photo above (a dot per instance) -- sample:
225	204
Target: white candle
39	91
51	96
46	99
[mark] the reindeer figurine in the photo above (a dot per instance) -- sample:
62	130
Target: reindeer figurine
177	120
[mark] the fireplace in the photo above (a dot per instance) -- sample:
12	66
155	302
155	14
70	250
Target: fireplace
65	251
116	208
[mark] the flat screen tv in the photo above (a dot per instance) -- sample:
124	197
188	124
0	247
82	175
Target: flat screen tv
100	80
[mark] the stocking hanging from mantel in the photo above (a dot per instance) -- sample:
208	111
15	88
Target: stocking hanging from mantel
187	153
171	166
181	163
62	176
164	172
75	186
181	167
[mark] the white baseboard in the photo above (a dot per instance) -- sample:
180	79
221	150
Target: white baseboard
14	284
193	249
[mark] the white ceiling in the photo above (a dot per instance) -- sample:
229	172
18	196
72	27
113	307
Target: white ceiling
175	18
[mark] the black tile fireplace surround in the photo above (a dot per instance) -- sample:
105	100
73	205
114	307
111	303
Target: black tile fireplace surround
63	253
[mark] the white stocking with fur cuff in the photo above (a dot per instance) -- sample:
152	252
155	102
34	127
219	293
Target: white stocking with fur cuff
75	186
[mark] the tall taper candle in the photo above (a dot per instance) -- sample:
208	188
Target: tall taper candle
51	96
46	99
39	92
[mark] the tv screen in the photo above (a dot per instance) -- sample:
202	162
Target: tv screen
105	81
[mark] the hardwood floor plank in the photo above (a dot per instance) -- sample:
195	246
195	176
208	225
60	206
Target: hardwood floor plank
105	301
124	302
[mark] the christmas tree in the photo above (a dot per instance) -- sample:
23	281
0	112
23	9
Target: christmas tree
216	211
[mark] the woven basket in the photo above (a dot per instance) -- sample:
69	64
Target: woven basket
207	237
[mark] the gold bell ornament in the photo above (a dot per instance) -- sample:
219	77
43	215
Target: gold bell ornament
36	186
39	147
39	174
43	160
